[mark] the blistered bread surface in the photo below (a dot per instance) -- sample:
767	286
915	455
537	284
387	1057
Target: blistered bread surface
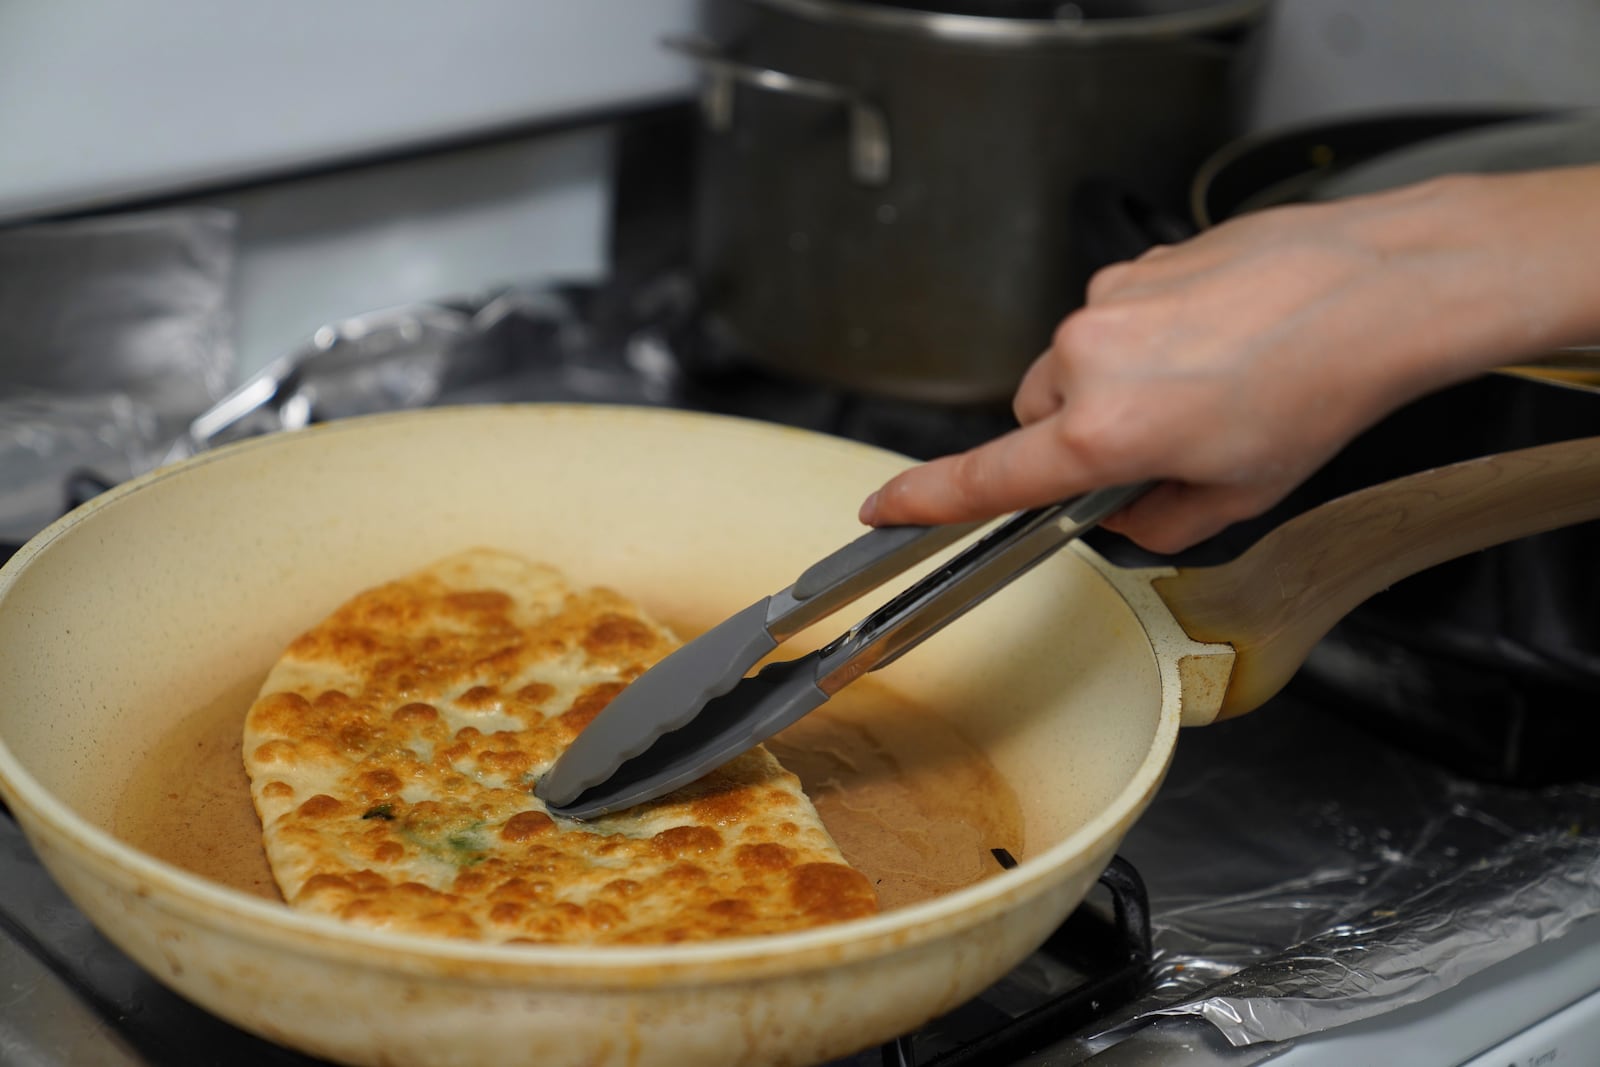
394	749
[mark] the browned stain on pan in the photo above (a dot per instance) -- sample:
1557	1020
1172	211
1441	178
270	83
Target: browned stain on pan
911	803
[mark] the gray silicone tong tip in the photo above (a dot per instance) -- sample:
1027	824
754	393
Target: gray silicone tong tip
683	688
727	725
663	699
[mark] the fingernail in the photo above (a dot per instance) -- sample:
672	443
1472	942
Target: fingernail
869	509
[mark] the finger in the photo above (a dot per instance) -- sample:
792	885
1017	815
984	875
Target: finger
1025	468
1164	520
1107	280
1040	394
1174	516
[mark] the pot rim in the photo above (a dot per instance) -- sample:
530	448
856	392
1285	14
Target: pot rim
987	29
275	924
1229	155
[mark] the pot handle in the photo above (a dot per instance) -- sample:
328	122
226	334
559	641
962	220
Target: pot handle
869	127
1277	600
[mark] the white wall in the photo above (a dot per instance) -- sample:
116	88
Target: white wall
102	100
105	100
1328	57
459	224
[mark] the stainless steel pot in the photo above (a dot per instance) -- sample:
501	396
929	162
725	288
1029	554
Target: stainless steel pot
905	202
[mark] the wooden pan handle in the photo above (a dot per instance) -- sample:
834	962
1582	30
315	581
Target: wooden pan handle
1276	601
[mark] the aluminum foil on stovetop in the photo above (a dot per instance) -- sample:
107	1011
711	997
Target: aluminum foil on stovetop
113	332
562	344
1304	874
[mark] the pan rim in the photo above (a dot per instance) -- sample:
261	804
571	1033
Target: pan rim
239	914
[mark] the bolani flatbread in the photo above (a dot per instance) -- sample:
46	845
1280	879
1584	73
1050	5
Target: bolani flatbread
392	755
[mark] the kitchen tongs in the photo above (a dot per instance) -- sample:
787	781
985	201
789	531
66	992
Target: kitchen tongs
696	709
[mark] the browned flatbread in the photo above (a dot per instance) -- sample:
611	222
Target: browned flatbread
394	748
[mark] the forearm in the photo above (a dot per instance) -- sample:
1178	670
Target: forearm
1500	267
1231	366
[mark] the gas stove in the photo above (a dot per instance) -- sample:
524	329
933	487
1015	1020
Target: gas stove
1094	992
1304	890
73	998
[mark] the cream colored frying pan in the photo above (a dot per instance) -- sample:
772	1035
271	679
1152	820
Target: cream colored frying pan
149	602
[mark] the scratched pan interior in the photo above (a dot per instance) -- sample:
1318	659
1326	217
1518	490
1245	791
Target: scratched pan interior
148	602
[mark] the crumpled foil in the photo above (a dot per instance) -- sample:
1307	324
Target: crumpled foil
47	440
134	304
396	359
115	357
1305	873
113	333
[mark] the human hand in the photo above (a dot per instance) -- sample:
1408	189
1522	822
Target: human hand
1230	367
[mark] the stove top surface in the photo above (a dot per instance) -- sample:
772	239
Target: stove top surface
1269	864
1303	874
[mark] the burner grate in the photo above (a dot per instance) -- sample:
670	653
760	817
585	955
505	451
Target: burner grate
1106	959
1092	964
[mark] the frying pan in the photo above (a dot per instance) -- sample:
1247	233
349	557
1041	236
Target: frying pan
154	598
